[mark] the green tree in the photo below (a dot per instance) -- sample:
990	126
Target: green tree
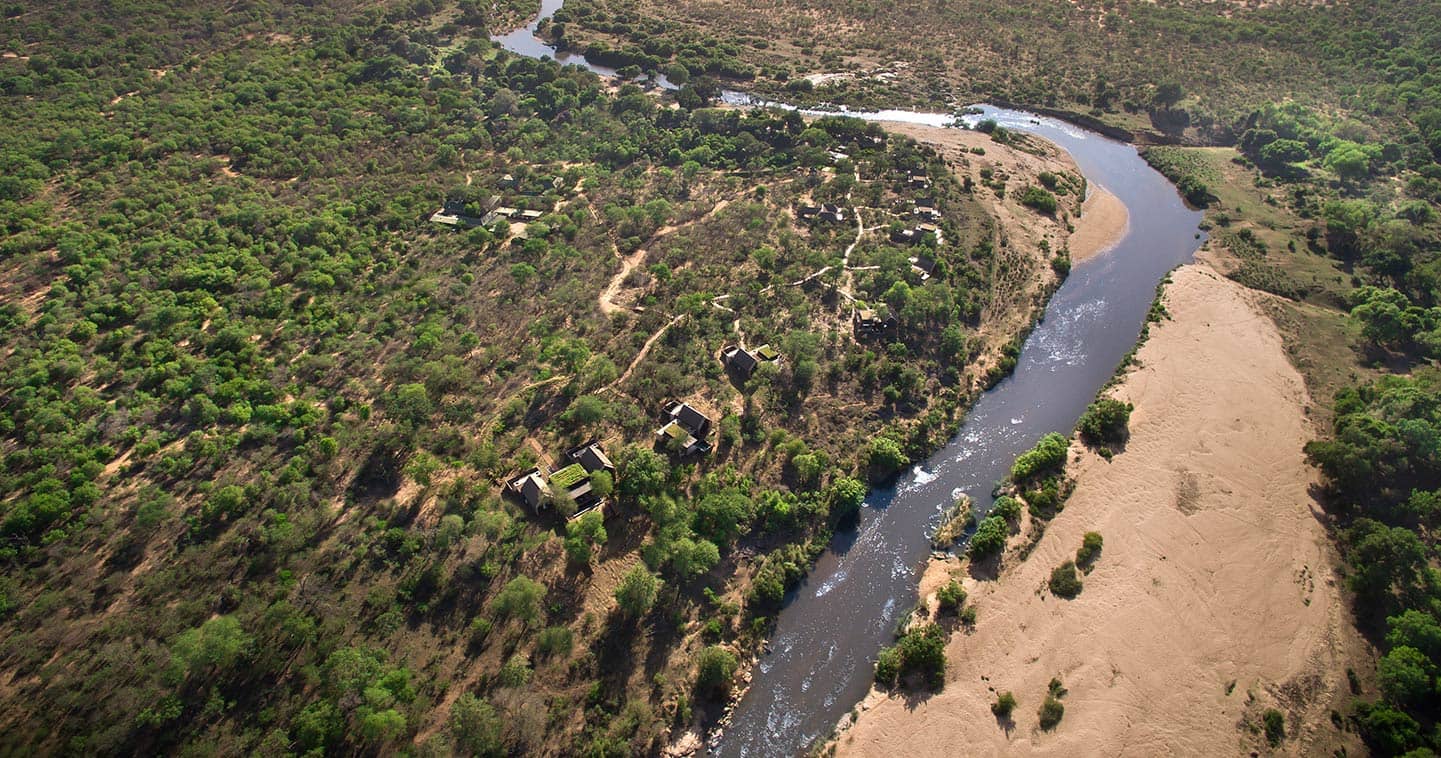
1050	713
216	645
582	535
637	592
1089	550
1004	705
381	727
1039	199
950	597
519	599
886	458
587	411
990	537
411	402
1283	152
1406	676
317	725
715	668
1104	422
846	494
475	727
1275	724
1064	582
723	516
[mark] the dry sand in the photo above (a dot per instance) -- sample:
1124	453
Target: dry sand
1103	222
1214	596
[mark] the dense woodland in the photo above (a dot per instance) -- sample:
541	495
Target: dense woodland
257	408
1323	181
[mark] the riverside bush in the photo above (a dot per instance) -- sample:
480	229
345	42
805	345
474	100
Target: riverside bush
950	597
1104	422
990	537
1049	455
1064	582
1007	508
920	650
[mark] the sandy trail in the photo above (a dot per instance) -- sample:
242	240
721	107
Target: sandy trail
1215	574
641	354
607	299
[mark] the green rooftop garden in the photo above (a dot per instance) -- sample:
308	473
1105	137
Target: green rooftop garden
569	476
675	431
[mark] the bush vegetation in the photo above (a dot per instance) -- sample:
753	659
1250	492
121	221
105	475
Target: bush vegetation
1004	705
1383	472
920	651
1104	422
1064	581
1275	726
1051	710
950	597
256	403
990	537
1089	550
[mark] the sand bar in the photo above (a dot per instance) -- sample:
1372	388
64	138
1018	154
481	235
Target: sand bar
1214	597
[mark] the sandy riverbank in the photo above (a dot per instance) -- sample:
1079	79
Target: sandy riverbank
1103	222
1214	597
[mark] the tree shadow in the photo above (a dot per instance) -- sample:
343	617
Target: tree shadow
986	569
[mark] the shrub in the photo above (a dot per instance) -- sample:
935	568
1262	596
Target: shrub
555	640
1064	582
1041	200
1050	712
1275	723
990	537
1007	508
950	597
1048	455
1104	422
715	667
968	615
1005	703
921	650
515	672
519	599
637	591
1089	550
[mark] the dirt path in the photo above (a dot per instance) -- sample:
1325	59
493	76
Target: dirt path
1215	595
607	295
607	299
640	356
847	278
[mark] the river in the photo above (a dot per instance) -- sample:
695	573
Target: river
834	624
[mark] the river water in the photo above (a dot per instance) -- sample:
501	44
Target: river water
827	637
